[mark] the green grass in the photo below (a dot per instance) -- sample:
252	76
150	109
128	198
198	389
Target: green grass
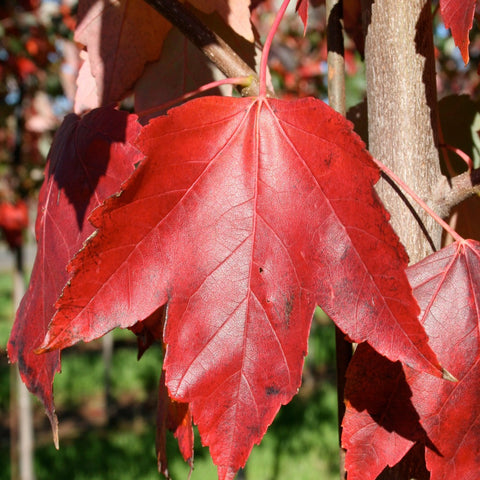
6	313
301	443
6	310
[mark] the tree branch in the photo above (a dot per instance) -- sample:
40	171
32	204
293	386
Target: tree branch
336	99
335	56
214	47
450	192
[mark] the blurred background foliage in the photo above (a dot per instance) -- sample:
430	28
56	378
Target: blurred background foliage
114	438
107	415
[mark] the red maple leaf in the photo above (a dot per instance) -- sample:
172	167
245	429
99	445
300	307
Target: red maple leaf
122	37
180	58
441	414
458	17
89	159
235	13
245	215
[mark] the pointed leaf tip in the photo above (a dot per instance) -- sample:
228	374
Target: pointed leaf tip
226	473
302	10
458	17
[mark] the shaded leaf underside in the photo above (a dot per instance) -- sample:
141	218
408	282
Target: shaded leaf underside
121	37
88	161
447	287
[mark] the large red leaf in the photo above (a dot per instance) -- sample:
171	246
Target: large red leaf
447	287
89	159
458	17
246	214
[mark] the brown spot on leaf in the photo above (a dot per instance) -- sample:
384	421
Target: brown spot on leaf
272	390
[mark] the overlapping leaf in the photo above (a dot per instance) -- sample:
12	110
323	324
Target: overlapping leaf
380	425
246	214
458	17
150	330
182	68
121	37
171	415
235	13
177	418
302	9
88	161
417	407
86	96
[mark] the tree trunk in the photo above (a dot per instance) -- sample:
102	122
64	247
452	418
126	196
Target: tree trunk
107	356
402	131
402	115
22	433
